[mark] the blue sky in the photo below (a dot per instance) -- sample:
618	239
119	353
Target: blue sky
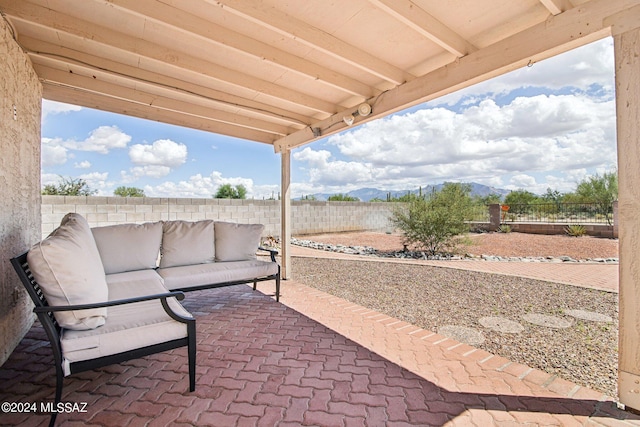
549	125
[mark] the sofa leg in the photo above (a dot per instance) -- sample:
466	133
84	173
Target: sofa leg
191	353
278	286
58	398
255	285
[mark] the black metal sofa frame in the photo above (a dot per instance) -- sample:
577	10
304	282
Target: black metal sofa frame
45	314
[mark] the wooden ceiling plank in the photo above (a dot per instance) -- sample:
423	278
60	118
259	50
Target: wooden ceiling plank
93	82
117	105
300	31
425	24
568	30
211	32
108	39
44	51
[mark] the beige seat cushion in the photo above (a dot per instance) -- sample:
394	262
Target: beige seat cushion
237	242
186	243
218	272
128	326
128	247
67	266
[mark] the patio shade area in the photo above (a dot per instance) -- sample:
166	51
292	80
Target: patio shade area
287	73
314	360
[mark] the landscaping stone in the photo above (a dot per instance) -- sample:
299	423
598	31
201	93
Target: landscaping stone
501	324
588	315
547	321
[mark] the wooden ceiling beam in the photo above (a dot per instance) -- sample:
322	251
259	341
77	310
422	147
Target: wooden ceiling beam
558	34
276	20
107	40
407	12
41	51
135	92
223	37
556	7
71	95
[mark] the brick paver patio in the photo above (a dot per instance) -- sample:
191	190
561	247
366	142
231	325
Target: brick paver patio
311	360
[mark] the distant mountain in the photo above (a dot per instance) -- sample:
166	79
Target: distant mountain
367	194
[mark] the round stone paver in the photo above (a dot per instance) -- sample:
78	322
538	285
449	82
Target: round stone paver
588	315
500	324
463	334
548	321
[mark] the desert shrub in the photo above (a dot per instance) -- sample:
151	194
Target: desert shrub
432	223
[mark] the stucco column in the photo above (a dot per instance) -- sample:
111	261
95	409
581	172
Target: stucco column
627	60
285	214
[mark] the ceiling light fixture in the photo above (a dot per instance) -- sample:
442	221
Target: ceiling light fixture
349	119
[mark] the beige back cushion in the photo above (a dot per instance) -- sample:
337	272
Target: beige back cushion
128	247
67	266
237	242
187	243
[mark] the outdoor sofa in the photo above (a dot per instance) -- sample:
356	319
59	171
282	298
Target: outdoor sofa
109	294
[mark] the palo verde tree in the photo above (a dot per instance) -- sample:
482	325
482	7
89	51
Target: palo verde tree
432	223
68	187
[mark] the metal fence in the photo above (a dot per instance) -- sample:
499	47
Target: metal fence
568	213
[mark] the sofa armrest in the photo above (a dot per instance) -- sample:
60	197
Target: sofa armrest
163	297
271	251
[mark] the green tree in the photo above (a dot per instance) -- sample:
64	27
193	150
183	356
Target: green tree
227	191
68	187
123	191
432	223
519	200
342	198
601	190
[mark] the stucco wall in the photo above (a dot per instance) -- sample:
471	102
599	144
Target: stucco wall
307	217
21	100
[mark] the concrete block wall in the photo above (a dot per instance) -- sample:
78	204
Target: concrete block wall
307	217
20	112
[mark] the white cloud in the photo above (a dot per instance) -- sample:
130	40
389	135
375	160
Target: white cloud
580	68
479	143
162	152
199	186
54	107
100	140
53	153
82	165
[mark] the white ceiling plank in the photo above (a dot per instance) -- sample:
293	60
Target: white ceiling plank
558	34
223	37
293	28
40	51
109	40
421	21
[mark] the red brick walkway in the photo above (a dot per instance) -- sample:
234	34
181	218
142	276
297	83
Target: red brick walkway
313	360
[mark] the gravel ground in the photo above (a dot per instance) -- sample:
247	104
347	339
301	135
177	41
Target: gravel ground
435	298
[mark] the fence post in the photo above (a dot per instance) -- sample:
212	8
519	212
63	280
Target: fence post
494	216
